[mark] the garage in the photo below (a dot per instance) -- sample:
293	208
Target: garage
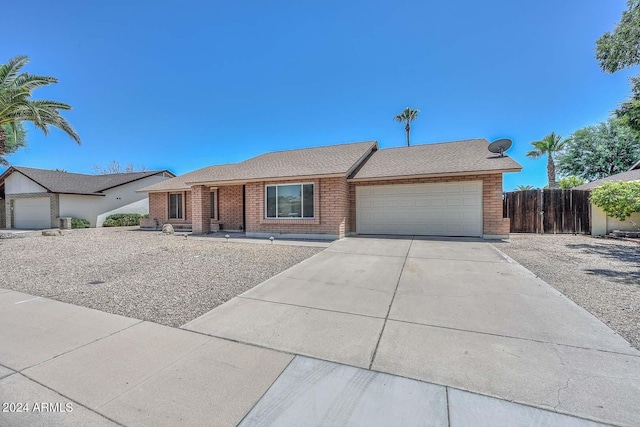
437	209
32	213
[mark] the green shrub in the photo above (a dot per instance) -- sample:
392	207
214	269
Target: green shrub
79	223
122	220
570	182
618	199
145	216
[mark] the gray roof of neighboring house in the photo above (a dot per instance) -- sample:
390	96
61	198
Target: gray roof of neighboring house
469	155
76	183
631	175
327	160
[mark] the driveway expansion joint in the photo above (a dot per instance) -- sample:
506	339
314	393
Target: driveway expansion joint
310	308
395	291
635	354
446	397
456	259
267	390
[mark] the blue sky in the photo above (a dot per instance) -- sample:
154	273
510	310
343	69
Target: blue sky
182	85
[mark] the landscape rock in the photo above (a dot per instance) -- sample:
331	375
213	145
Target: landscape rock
51	233
168	229
139	271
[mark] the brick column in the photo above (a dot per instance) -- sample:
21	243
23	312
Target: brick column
200	209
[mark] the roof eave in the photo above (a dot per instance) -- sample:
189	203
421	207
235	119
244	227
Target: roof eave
597	183
138	179
166	190
431	175
78	194
263	179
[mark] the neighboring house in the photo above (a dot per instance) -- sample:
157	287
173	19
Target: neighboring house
37	198
450	189
601	223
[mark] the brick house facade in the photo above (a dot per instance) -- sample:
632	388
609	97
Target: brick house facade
239	195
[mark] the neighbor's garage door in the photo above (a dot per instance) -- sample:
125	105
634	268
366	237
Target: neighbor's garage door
32	213
447	209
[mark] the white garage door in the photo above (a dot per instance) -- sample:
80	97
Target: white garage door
447	209
32	213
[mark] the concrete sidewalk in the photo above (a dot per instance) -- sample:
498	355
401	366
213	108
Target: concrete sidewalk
75	366
453	312
368	332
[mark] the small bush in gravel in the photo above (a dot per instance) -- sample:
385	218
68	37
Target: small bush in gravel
122	220
79	223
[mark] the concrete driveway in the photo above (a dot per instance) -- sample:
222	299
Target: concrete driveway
369	332
454	312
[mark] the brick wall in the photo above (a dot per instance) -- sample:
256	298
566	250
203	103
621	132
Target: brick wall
493	223
200	209
335	206
331	210
230	207
159	208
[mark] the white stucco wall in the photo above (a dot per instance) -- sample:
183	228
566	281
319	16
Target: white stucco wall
122	199
16	183
139	207
602	224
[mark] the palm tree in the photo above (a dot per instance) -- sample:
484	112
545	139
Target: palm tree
524	187
549	145
407	116
16	105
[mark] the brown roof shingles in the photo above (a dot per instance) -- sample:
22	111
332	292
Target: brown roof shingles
76	183
631	175
328	160
444	158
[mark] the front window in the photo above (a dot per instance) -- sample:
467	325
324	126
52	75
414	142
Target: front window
175	205
289	201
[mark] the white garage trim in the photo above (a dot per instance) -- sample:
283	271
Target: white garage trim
437	209
32	212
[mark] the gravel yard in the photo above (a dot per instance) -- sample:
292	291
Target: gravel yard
146	275
600	275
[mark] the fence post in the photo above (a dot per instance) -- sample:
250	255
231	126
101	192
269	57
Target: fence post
541	209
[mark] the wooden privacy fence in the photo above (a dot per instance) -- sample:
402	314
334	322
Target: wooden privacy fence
548	211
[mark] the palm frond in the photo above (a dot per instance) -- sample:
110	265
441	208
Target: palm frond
46	103
30	82
407	116
16	105
10	70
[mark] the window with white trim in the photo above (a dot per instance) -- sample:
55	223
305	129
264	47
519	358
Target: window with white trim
175	206
289	201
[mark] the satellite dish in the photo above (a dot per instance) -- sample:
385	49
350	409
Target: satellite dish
500	146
